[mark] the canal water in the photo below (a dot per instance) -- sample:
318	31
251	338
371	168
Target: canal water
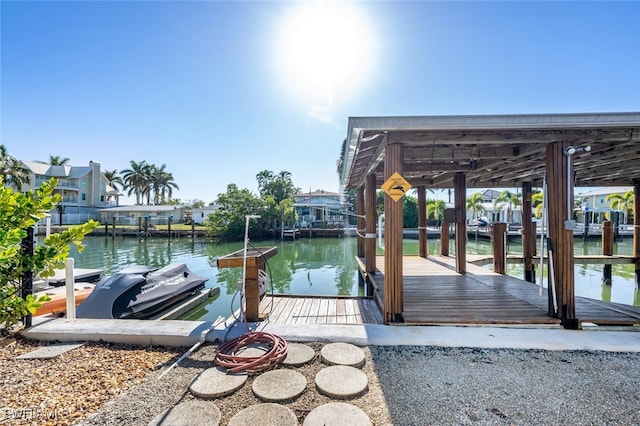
318	266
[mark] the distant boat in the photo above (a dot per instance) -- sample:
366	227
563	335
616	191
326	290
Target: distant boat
140	292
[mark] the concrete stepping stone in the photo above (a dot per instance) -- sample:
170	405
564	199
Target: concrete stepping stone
298	354
279	385
341	381
267	414
216	382
189	413
337	414
342	354
49	352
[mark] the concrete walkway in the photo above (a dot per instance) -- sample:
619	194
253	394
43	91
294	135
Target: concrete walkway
187	333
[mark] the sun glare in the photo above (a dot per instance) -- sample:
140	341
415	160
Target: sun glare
325	48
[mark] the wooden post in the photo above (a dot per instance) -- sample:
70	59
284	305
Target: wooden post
113	227
499	248
393	286
636	229
252	291
422	222
607	250
560	190
528	234
26	248
193	229
370	224
169	224
444	238
460	199
360	221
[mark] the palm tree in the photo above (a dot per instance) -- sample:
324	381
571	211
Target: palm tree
56	160
510	199
537	200
114	181
136	180
621	202
435	209
475	203
12	171
162	184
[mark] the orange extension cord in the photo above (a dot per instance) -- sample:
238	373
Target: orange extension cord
229	353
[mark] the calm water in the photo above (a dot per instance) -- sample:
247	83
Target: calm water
320	266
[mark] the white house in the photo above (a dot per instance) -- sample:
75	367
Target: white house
83	189
200	215
319	208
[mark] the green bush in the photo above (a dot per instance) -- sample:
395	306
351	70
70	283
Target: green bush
19	212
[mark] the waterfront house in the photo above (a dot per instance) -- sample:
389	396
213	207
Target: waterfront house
83	189
136	215
319	209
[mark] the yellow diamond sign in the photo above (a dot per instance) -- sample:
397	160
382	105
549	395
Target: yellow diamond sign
396	186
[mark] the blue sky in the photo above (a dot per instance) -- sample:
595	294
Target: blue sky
219	91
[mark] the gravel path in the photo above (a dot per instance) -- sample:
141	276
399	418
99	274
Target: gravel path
408	385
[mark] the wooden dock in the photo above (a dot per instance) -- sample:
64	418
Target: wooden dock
435	294
292	309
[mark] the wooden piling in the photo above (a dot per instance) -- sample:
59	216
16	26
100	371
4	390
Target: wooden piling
444	239
370	223
499	236
393	285
360	221
607	250
528	234
460	196
636	229
422	221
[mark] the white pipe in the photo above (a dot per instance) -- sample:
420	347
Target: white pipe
70	284
47	222
380	220
244	261
203	336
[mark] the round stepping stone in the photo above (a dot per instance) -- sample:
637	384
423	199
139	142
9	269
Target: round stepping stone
189	413
298	354
216	382
279	385
341	381
337	414
342	354
267	414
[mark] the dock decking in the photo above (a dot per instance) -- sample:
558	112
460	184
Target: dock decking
435	294
288	309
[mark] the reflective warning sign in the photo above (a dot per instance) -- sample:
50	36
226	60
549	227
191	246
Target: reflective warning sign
396	186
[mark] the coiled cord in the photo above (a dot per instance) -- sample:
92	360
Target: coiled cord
229	355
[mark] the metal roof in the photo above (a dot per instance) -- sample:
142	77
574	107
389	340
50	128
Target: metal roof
493	150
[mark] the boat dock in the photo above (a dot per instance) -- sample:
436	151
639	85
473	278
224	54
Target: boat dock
434	293
79	275
291	309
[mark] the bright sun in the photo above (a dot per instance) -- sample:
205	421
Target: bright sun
325	48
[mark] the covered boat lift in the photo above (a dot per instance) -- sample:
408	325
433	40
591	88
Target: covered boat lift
488	151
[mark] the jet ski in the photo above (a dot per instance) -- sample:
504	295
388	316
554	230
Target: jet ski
140	292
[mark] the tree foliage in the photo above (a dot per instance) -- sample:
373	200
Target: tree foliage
475	204
228	222
622	202
12	172
19	212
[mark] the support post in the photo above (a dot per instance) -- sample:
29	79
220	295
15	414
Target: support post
636	229
69	282
528	234
360	221
26	246
560	195
460	198
499	248
422	222
393	285
607	250
444	238
370	225
113	227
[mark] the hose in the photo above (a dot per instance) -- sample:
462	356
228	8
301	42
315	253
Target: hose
229	354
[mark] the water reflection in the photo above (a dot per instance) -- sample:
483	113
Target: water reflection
320	266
